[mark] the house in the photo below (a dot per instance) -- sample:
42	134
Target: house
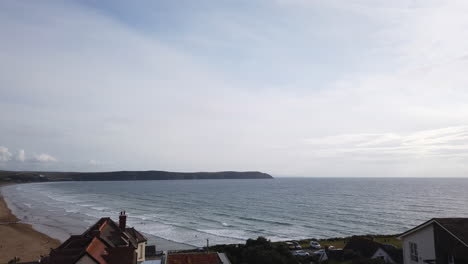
367	248
437	241
195	258
106	242
321	255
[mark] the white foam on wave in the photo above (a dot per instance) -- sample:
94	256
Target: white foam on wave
72	210
86	205
226	233
100	208
69	199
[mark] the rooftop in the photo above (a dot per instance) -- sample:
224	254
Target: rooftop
193	258
457	227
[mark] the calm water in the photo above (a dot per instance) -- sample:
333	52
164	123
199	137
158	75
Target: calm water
230	211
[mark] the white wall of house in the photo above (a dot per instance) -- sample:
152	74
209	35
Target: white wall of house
141	251
424	239
85	259
381	254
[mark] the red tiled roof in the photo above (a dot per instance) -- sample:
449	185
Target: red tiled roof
202	258
97	250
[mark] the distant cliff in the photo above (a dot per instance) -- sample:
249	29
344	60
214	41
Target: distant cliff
25	176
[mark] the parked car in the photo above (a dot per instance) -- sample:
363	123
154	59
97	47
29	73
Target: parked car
315	244
301	253
290	245
296	245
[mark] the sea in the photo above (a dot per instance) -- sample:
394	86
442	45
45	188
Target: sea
186	213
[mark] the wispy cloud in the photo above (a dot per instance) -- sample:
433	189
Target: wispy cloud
450	142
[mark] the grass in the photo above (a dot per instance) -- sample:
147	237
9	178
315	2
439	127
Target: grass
340	242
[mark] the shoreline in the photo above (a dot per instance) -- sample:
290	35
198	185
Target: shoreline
19	239
41	226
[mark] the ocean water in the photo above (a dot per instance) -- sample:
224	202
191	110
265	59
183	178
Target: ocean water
175	214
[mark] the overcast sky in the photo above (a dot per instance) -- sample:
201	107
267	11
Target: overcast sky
288	87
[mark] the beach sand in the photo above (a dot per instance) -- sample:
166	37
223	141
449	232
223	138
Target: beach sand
21	240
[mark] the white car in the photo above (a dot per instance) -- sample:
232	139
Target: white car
301	253
315	244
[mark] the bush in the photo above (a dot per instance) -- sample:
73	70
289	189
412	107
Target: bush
258	251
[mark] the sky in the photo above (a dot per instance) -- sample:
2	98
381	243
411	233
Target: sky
312	88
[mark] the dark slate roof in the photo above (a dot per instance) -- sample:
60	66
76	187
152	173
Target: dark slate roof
394	253
457	226
70	250
367	248
137	236
112	235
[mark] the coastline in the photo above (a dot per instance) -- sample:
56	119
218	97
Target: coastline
42	229
19	239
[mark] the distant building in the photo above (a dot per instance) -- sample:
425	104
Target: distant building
368	248
103	243
437	241
195	258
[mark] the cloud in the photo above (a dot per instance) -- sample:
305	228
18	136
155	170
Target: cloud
44	158
20	156
5	155
450	142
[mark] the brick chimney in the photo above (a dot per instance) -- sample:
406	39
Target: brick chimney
122	220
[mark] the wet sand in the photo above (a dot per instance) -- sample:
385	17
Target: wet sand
21	240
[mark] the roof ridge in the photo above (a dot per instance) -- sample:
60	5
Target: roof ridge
450	232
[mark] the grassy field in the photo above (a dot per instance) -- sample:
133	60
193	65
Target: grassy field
340	242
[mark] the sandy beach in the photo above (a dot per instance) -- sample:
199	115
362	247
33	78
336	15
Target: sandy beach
21	240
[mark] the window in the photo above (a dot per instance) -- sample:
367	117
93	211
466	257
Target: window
414	251
451	260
